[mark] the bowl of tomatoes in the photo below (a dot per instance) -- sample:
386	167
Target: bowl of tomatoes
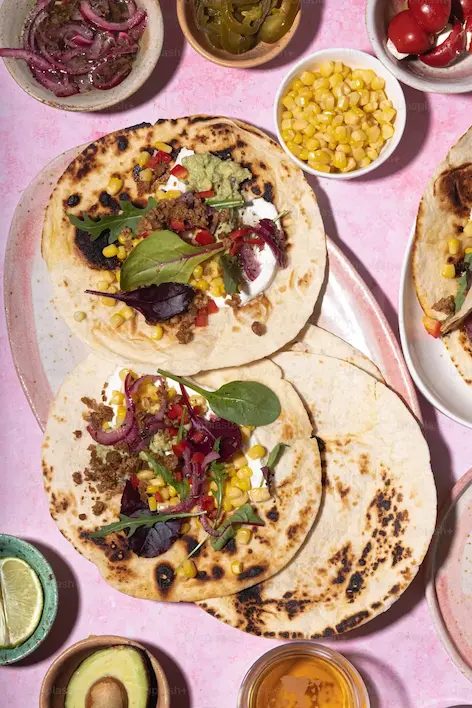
426	44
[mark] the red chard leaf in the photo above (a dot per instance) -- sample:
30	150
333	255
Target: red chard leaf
157	303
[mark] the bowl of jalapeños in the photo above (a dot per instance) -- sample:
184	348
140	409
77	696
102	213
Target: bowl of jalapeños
239	34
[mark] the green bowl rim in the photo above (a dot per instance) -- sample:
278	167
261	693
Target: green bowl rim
27	551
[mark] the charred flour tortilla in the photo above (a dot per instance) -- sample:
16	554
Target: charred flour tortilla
376	517
73	499
444	211
233	336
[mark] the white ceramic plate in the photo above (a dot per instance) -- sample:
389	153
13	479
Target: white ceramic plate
44	350
427	358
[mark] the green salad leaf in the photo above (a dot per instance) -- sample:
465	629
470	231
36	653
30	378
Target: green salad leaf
130	217
241	402
218	475
132	523
275	454
163	257
181	431
244	515
463	284
182	488
231	273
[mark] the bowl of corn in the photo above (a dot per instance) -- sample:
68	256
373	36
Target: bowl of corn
339	113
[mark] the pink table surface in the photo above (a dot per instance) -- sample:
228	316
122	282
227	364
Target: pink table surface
399	654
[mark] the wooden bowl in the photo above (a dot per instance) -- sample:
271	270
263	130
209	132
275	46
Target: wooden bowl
54	686
260	54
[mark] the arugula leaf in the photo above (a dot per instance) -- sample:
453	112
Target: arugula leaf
244	515
163	257
129	217
218	476
132	523
463	284
180	433
218	203
182	488
231	273
241	402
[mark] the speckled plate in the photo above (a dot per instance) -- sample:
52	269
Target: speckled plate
15	547
449	589
44	350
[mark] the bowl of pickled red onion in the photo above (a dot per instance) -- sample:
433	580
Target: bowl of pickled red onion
81	55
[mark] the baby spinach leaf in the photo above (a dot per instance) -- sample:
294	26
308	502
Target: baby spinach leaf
268	469
130	217
244	515
182	488
157	303
134	522
463	283
163	257
231	273
241	402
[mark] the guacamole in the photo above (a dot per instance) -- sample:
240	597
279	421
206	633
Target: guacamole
206	171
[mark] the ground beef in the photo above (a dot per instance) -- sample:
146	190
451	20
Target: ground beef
234	301
82	517
184	335
98	413
108	471
258	328
190	209
445	305
77	478
161	175
98	508
77	434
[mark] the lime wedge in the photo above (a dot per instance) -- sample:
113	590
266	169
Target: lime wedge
21	600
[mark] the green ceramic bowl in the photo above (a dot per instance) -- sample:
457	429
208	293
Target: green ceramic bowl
11	546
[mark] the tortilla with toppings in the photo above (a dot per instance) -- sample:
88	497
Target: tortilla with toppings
442	254
127	488
208	236
376	518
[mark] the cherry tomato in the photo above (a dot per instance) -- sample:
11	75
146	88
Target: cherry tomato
432	326
445	53
407	36
431	15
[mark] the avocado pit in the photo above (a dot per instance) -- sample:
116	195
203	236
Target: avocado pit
107	692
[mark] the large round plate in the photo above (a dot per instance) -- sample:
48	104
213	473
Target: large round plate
449	589
44	350
427	358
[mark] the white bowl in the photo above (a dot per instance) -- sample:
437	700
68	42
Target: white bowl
452	79
13	14
355	60
428	360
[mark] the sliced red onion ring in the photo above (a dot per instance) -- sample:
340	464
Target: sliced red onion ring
468	327
133	389
100	22
59	84
206	524
267	230
179	508
249	262
27	37
80	41
122	69
112	437
124	39
208	459
137	32
31	57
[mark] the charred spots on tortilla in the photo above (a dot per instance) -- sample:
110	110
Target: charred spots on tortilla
124	197
82	517
250	596
273	514
364	462
365	552
394	590
230	547
138	126
217	572
287	595
98	508
284	635
269	634
292	531
191	544
225	154
165	577
268	192
355	584
77	478
107	201
253	571
397	554
352	621
256	190
83	171
198	119
122	143
92	250
73	200
202	576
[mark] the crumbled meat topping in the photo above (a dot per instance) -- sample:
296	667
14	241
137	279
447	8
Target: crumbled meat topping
188	208
77	477
445	305
108	469
258	328
98	413
77	434
234	301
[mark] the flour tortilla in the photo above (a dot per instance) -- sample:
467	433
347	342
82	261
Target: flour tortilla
287	519
228	340
443	212
315	340
376	518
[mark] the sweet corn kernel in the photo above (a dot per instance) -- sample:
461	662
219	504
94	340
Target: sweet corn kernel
112	289
243	536
108	301
146	175
387	131
256	452
79	316
453	246
234	493
244	473
121	413
185	528
143	158
110	251
124	373
448	270
121	253
239	460
164	492
127	312
365	162
340	160
287	114
307	78
351	165
163	147
114	186
326	68
173	501
260	494
227	505
152	488
202	285
122	239
160	194
377	83
241	500
117	398
144	475
152	503
243	484
172	491
188	569
320	166
468	229
174	194
468	250
159	482
237	567
157	333
116	320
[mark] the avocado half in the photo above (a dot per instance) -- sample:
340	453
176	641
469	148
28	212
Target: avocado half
116	677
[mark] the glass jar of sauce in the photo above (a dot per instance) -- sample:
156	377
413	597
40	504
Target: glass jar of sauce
303	675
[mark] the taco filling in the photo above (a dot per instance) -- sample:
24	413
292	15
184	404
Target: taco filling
192	243
176	463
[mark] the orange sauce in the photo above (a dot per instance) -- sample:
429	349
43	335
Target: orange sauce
304	682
